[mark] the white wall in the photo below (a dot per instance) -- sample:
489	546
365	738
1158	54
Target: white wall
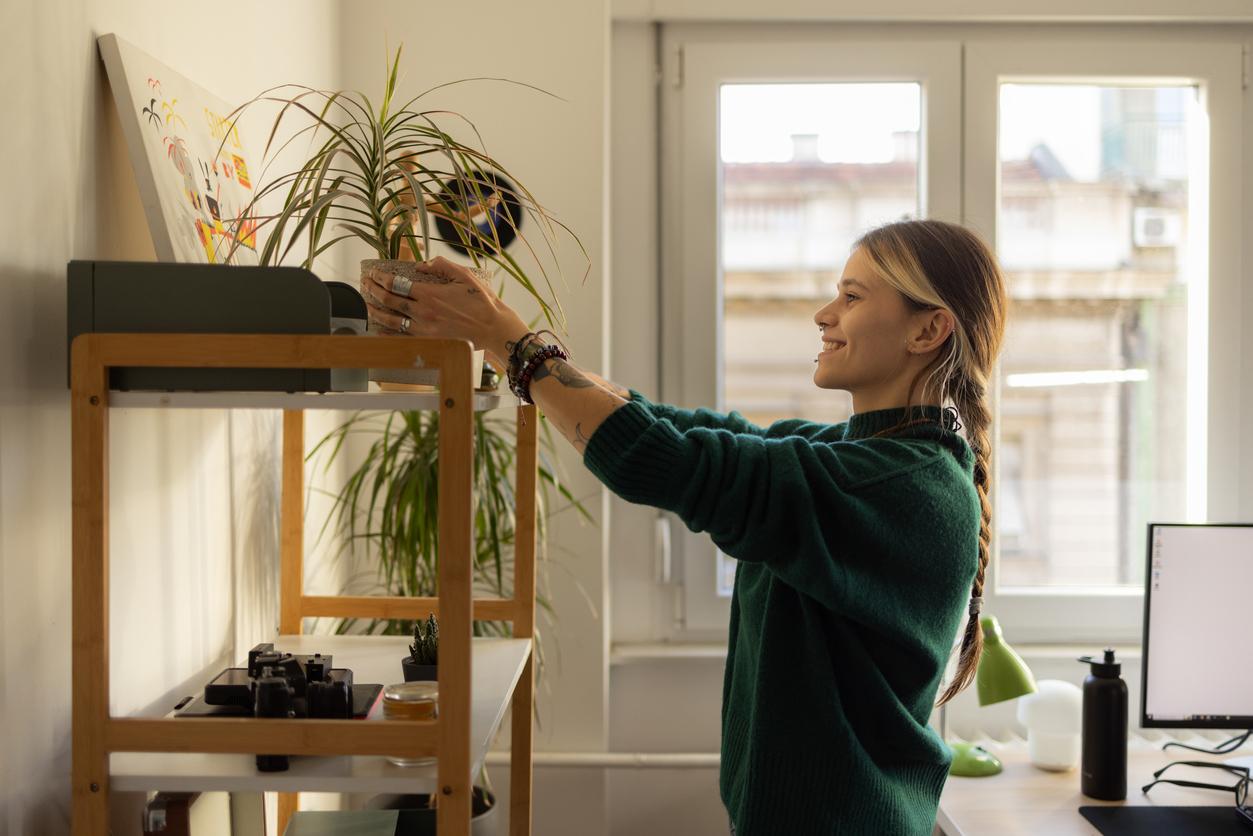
172	478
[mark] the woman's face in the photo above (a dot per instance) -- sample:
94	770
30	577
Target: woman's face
864	332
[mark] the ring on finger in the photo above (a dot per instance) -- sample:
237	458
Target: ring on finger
404	324
401	285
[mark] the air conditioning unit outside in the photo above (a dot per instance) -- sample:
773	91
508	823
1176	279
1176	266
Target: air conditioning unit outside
1154	226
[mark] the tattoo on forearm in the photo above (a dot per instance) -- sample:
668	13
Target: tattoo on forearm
565	374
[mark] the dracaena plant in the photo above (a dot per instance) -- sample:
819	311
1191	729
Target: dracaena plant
394	178
388	508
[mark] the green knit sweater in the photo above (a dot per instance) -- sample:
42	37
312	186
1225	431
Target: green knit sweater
856	557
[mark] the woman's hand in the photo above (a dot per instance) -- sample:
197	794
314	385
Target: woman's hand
438	298
442	299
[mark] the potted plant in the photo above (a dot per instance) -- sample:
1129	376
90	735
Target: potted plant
396	180
422	663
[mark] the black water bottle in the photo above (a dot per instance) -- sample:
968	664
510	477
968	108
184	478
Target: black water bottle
1104	769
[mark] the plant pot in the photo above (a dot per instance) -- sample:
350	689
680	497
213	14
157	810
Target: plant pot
417	378
418	673
416	819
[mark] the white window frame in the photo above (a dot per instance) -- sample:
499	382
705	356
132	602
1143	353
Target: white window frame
691	186
960	79
1213	397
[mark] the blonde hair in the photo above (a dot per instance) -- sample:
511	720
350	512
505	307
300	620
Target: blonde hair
937	265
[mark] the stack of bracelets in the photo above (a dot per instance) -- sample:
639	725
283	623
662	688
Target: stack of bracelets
528	355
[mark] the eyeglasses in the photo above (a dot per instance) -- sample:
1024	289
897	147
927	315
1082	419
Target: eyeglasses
1241	787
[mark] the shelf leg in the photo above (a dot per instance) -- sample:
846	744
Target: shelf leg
456	542
89	676
292	524
291	556
520	762
287	805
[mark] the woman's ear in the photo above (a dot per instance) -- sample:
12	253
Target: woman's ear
930	329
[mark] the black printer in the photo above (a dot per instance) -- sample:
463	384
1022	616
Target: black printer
150	297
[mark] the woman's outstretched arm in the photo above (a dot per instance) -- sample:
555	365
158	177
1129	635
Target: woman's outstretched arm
450	301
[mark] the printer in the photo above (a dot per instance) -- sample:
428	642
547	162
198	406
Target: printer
153	297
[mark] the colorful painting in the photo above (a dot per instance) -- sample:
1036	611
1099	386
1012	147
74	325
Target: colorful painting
188	158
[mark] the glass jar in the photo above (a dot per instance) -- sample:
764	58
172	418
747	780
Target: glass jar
411	701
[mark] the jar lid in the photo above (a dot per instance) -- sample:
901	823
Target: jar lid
424	691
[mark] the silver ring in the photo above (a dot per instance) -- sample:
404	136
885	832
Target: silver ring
404	324
400	285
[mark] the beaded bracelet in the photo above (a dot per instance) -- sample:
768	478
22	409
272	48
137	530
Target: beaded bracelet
548	352
521	352
515	352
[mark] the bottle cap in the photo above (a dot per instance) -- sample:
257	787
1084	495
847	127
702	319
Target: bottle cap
1107	667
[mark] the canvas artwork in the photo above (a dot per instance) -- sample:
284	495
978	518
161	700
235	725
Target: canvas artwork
194	176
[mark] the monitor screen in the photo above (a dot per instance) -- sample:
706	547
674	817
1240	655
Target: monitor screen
1198	593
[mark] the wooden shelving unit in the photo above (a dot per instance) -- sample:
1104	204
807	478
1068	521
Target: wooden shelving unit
479	678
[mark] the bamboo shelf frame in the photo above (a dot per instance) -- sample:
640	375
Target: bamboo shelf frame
96	733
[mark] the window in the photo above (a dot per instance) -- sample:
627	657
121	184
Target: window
1088	167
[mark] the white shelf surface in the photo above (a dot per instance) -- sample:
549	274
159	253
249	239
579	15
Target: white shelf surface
495	668
373	399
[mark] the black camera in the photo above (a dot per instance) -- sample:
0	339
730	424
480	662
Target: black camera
277	684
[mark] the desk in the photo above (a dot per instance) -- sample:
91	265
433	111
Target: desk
1026	800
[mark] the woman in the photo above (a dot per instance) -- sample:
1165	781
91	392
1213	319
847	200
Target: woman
861	545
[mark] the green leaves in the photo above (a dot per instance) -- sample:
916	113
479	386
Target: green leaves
377	175
389	507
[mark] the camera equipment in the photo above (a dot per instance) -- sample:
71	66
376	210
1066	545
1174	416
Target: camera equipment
277	684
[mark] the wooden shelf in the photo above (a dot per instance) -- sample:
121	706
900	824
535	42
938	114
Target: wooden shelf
496	666
374	399
481	678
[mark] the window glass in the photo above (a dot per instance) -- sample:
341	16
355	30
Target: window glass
1092	232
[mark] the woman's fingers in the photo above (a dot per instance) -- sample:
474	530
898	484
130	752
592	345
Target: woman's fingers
391	321
403	305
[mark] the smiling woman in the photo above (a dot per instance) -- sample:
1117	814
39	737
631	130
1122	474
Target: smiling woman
861	546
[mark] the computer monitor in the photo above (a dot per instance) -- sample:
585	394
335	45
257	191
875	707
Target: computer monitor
1198	593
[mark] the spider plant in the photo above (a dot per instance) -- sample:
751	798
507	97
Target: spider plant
381	175
389	505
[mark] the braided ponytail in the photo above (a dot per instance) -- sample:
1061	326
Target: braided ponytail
970	398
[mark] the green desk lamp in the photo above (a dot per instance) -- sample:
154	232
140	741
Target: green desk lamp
1002	675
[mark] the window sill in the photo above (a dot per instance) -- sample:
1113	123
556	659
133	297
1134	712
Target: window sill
627	653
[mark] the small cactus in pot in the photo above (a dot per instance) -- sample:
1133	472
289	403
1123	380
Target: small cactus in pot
422	663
